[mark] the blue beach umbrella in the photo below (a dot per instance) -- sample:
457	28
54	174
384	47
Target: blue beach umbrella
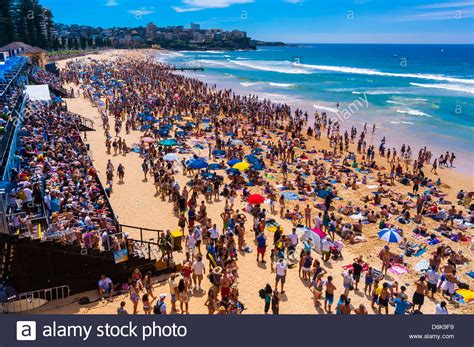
145	127
209	175
218	152
215	167
233	161
233	172
197	164
390	235
168	143
206	120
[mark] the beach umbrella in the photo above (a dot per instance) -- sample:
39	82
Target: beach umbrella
145	127
171	157
148	140
181	133
390	235
255	199
168	143
257	150
259	166
233	172
190	124
233	161
251	159
197	164
208	175
178	117
215	167
218	152
237	142
242	166
206	120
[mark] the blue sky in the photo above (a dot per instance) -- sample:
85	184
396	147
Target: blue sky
303	21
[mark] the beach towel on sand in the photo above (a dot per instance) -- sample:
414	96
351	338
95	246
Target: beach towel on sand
422	265
290	196
420	252
398	269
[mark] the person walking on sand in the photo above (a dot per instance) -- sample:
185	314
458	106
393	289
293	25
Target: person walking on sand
307	216
121	172
281	268
145	168
419	295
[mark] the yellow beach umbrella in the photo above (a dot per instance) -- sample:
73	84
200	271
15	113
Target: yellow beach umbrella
242	166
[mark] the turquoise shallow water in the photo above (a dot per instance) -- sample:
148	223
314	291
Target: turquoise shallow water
419	94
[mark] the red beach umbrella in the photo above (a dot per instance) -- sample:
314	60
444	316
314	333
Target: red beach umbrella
255	199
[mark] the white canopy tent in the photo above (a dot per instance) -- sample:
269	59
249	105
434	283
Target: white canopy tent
38	92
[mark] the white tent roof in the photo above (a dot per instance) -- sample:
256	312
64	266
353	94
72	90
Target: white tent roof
38	92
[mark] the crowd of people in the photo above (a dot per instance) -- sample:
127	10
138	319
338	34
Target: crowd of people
171	110
55	179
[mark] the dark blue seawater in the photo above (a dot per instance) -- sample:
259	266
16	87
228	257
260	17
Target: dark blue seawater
419	94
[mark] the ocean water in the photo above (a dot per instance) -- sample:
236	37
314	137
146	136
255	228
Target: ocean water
421	95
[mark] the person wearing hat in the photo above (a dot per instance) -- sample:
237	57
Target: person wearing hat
160	307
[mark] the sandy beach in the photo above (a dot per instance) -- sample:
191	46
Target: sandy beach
136	203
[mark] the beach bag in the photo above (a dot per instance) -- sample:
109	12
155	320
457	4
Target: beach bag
261	293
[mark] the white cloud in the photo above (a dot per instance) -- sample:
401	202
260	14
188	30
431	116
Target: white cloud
141	12
198	5
447	5
111	3
294	1
438	15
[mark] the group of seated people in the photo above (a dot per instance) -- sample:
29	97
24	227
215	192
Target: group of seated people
51	155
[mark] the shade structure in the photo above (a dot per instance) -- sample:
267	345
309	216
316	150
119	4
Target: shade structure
233	172
148	140
218	152
168	143
209	175
390	235
233	161
242	166
171	157
215	167
255	199
197	164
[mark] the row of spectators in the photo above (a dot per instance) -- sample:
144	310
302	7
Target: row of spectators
41	76
56	172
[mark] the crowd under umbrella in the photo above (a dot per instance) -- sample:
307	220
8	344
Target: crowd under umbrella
241	166
233	161
215	167
390	235
168	142
255	199
218	152
197	164
233	172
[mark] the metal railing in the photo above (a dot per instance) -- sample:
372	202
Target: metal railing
34	299
20	224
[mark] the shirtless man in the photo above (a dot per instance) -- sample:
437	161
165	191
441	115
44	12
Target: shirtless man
385	259
419	295
226	282
329	298
307	216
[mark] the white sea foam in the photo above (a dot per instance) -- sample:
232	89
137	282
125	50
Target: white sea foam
446	86
325	108
372	72
412	112
379	92
275	66
395	102
282	85
250	84
401	122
